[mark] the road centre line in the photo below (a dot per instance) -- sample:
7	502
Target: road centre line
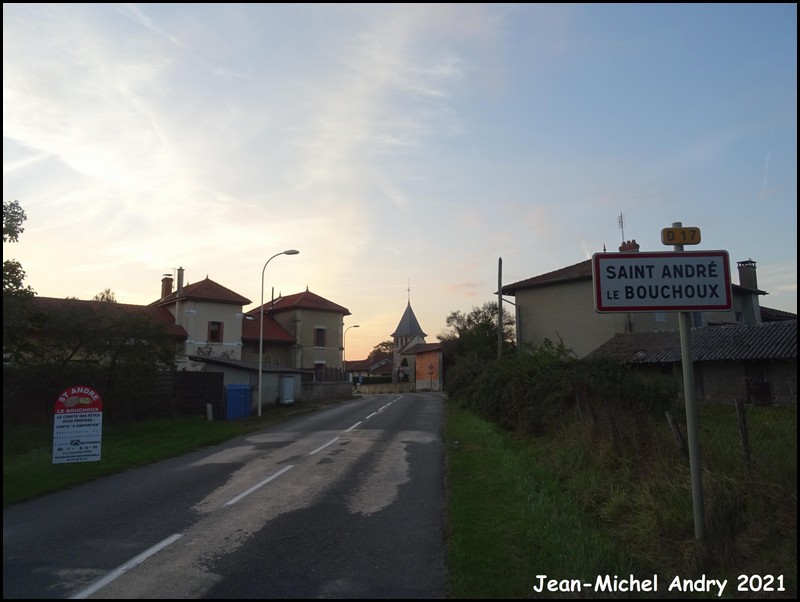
321	447
354	426
257	485
119	571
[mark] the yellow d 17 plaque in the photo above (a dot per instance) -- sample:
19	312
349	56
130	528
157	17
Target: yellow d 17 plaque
680	236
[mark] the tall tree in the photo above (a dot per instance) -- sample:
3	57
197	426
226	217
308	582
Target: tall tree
16	295
475	333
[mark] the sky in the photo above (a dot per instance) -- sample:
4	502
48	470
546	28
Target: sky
403	149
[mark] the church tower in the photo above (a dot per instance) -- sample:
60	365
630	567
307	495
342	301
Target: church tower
407	334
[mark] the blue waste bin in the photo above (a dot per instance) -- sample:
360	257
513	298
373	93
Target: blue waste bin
237	401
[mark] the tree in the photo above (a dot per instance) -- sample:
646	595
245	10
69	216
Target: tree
13	216
16	296
382	350
106	295
475	333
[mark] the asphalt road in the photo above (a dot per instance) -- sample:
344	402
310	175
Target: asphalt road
343	503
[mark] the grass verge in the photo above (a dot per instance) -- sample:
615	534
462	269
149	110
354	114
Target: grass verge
28	471
510	521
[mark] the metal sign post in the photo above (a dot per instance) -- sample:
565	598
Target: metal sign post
678	282
691	417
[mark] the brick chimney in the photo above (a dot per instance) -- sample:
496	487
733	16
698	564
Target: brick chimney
166	286
629	246
180	281
747	274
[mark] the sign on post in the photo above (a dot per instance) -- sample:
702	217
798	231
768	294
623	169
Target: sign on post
680	236
675	281
77	426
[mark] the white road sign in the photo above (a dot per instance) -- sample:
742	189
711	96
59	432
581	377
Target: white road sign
664	281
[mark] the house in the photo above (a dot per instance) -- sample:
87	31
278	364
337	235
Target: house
754	362
428	366
99	312
372	367
307	332
559	306
211	315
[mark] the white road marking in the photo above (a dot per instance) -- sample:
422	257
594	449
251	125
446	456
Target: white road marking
257	485
119	571
321	447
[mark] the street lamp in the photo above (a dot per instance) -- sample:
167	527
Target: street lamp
344	338
261	328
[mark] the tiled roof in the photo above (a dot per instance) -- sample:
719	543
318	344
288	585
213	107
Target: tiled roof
304	300
247	365
159	314
408	326
205	290
273	332
754	342
423	348
578	271
381	366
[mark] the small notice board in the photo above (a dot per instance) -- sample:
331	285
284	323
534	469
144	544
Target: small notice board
77	426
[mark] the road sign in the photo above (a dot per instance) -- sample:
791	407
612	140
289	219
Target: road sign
668	281
680	236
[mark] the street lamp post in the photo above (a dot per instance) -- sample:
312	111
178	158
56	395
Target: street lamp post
344	338
261	327
344	353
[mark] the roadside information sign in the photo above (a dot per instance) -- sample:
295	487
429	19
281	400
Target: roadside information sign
664	281
77	426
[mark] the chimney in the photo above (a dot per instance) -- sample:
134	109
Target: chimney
630	246
166	286
747	274
180	280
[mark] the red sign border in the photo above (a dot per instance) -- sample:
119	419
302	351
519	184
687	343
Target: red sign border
728	306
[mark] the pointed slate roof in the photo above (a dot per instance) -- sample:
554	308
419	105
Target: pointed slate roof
408	326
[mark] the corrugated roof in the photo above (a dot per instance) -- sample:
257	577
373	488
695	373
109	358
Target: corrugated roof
754	342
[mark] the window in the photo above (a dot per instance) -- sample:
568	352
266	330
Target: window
319	337
215	332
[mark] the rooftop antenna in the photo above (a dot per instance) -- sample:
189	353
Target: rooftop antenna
621	223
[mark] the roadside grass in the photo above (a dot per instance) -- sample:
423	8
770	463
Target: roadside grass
28	471
572	504
509	520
